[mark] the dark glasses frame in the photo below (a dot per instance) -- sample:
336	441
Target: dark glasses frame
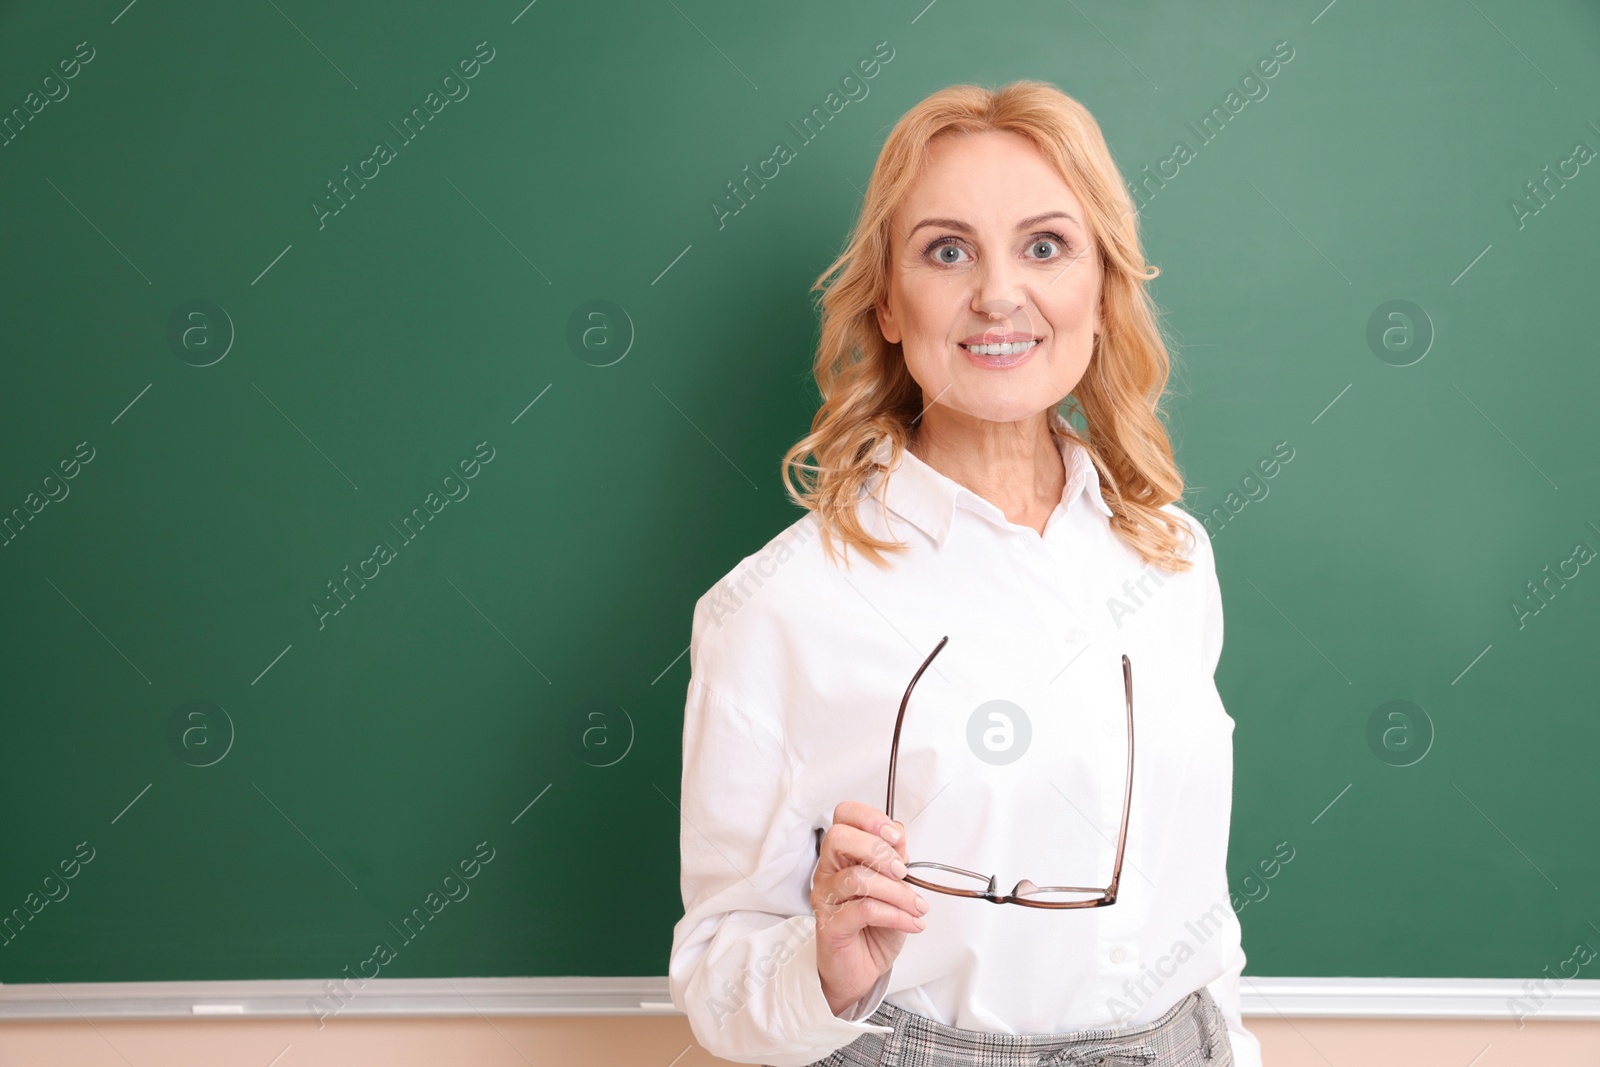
1019	895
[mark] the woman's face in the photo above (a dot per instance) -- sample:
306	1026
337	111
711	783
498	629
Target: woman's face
990	245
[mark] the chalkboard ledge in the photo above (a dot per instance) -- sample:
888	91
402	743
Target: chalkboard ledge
319	998
1419	998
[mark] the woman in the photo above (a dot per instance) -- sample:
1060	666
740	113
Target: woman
994	277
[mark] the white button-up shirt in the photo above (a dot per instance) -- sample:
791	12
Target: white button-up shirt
797	671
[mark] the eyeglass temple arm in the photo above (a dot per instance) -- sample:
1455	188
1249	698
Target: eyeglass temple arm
894	750
1127	796
1110	892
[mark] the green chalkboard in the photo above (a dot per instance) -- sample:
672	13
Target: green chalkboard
384	382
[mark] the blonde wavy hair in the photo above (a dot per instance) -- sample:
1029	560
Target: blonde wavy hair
868	395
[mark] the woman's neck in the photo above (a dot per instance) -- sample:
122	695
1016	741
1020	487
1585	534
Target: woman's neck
1016	466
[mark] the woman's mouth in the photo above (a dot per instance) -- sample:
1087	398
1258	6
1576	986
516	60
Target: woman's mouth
1001	355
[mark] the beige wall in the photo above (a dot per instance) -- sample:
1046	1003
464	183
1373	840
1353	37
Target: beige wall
666	1042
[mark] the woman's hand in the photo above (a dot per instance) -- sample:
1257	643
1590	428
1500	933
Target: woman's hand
864	910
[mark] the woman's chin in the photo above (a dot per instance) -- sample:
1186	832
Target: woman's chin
1002	408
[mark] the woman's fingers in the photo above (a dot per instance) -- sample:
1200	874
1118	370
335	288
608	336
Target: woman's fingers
860	884
874	822
858	913
902	907
844	845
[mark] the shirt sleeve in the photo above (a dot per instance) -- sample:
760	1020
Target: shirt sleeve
743	966
1225	989
1211	633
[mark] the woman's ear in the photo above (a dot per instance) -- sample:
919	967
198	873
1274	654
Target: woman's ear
886	323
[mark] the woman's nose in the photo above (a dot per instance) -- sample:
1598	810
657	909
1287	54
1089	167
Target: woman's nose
1004	312
1000	289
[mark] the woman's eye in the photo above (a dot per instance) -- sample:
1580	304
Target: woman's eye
947	252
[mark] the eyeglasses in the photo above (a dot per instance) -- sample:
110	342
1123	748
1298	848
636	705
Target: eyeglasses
961	883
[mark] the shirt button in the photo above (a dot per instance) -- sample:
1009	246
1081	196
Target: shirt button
1118	954
1074	636
1110	726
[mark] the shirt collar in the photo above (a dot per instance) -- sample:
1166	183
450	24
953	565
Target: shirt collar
928	499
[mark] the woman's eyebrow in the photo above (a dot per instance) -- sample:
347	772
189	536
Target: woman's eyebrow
961	227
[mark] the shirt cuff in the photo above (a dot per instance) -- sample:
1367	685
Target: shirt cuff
869	1001
818	1019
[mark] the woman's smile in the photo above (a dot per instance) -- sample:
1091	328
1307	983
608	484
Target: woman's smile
1000	356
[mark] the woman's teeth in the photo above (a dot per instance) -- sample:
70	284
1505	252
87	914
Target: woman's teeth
1001	350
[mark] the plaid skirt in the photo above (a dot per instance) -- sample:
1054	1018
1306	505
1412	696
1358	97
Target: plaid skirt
1192	1034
